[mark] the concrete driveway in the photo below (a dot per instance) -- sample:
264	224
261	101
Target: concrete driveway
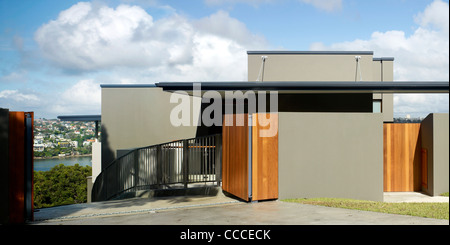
217	210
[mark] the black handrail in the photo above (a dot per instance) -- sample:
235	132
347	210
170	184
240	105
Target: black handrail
173	164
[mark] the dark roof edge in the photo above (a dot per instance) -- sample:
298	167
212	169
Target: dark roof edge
312	52
80	118
393	87
128	86
383	59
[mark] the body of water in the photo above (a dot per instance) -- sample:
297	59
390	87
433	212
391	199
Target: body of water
47	164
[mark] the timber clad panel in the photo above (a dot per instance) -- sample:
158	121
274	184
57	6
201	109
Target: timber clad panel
20	167
235	166
265	159
235	157
402	157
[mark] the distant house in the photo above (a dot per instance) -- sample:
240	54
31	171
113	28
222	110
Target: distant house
334	127
88	142
74	144
39	147
63	144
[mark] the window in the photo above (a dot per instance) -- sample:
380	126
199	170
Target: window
377	106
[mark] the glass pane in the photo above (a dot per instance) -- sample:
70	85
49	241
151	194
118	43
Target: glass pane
377	107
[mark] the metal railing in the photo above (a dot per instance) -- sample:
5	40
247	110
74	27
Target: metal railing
175	164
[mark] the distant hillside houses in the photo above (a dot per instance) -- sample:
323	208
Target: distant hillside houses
51	134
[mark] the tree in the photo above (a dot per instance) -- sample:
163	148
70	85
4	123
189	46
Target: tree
61	185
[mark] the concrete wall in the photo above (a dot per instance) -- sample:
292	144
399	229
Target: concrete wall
325	66
310	67
383	70
435	138
96	159
135	117
331	155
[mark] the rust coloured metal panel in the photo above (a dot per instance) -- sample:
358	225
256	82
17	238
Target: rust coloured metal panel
16	167
20	167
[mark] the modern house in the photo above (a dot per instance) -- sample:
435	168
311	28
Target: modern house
305	124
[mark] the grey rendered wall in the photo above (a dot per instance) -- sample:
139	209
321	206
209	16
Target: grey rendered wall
138	117
435	138
310	67
387	75
383	70
332	66
331	155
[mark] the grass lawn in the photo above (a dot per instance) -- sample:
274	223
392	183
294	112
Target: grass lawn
428	210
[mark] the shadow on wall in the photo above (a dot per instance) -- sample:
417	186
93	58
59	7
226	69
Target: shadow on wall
107	153
202	129
417	163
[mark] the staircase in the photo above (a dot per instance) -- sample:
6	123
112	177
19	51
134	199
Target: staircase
179	164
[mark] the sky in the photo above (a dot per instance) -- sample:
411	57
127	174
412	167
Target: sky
55	54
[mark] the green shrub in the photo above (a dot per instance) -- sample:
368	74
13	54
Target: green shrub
61	185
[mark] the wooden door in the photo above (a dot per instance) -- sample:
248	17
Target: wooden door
250	158
265	157
402	157
235	157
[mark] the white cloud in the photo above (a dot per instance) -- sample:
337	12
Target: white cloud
89	37
326	5
435	15
16	76
17	96
84	92
16	100
84	97
422	56
127	45
250	2
222	25
420	105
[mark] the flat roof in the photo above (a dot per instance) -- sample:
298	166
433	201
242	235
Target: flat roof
320	53
314	87
311	52
80	118
301	87
149	85
383	59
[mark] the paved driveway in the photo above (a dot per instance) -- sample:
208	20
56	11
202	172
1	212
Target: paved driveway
224	211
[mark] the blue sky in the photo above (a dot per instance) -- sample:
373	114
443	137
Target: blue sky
55	54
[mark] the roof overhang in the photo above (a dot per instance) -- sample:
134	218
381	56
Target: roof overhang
80	118
311	87
285	52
